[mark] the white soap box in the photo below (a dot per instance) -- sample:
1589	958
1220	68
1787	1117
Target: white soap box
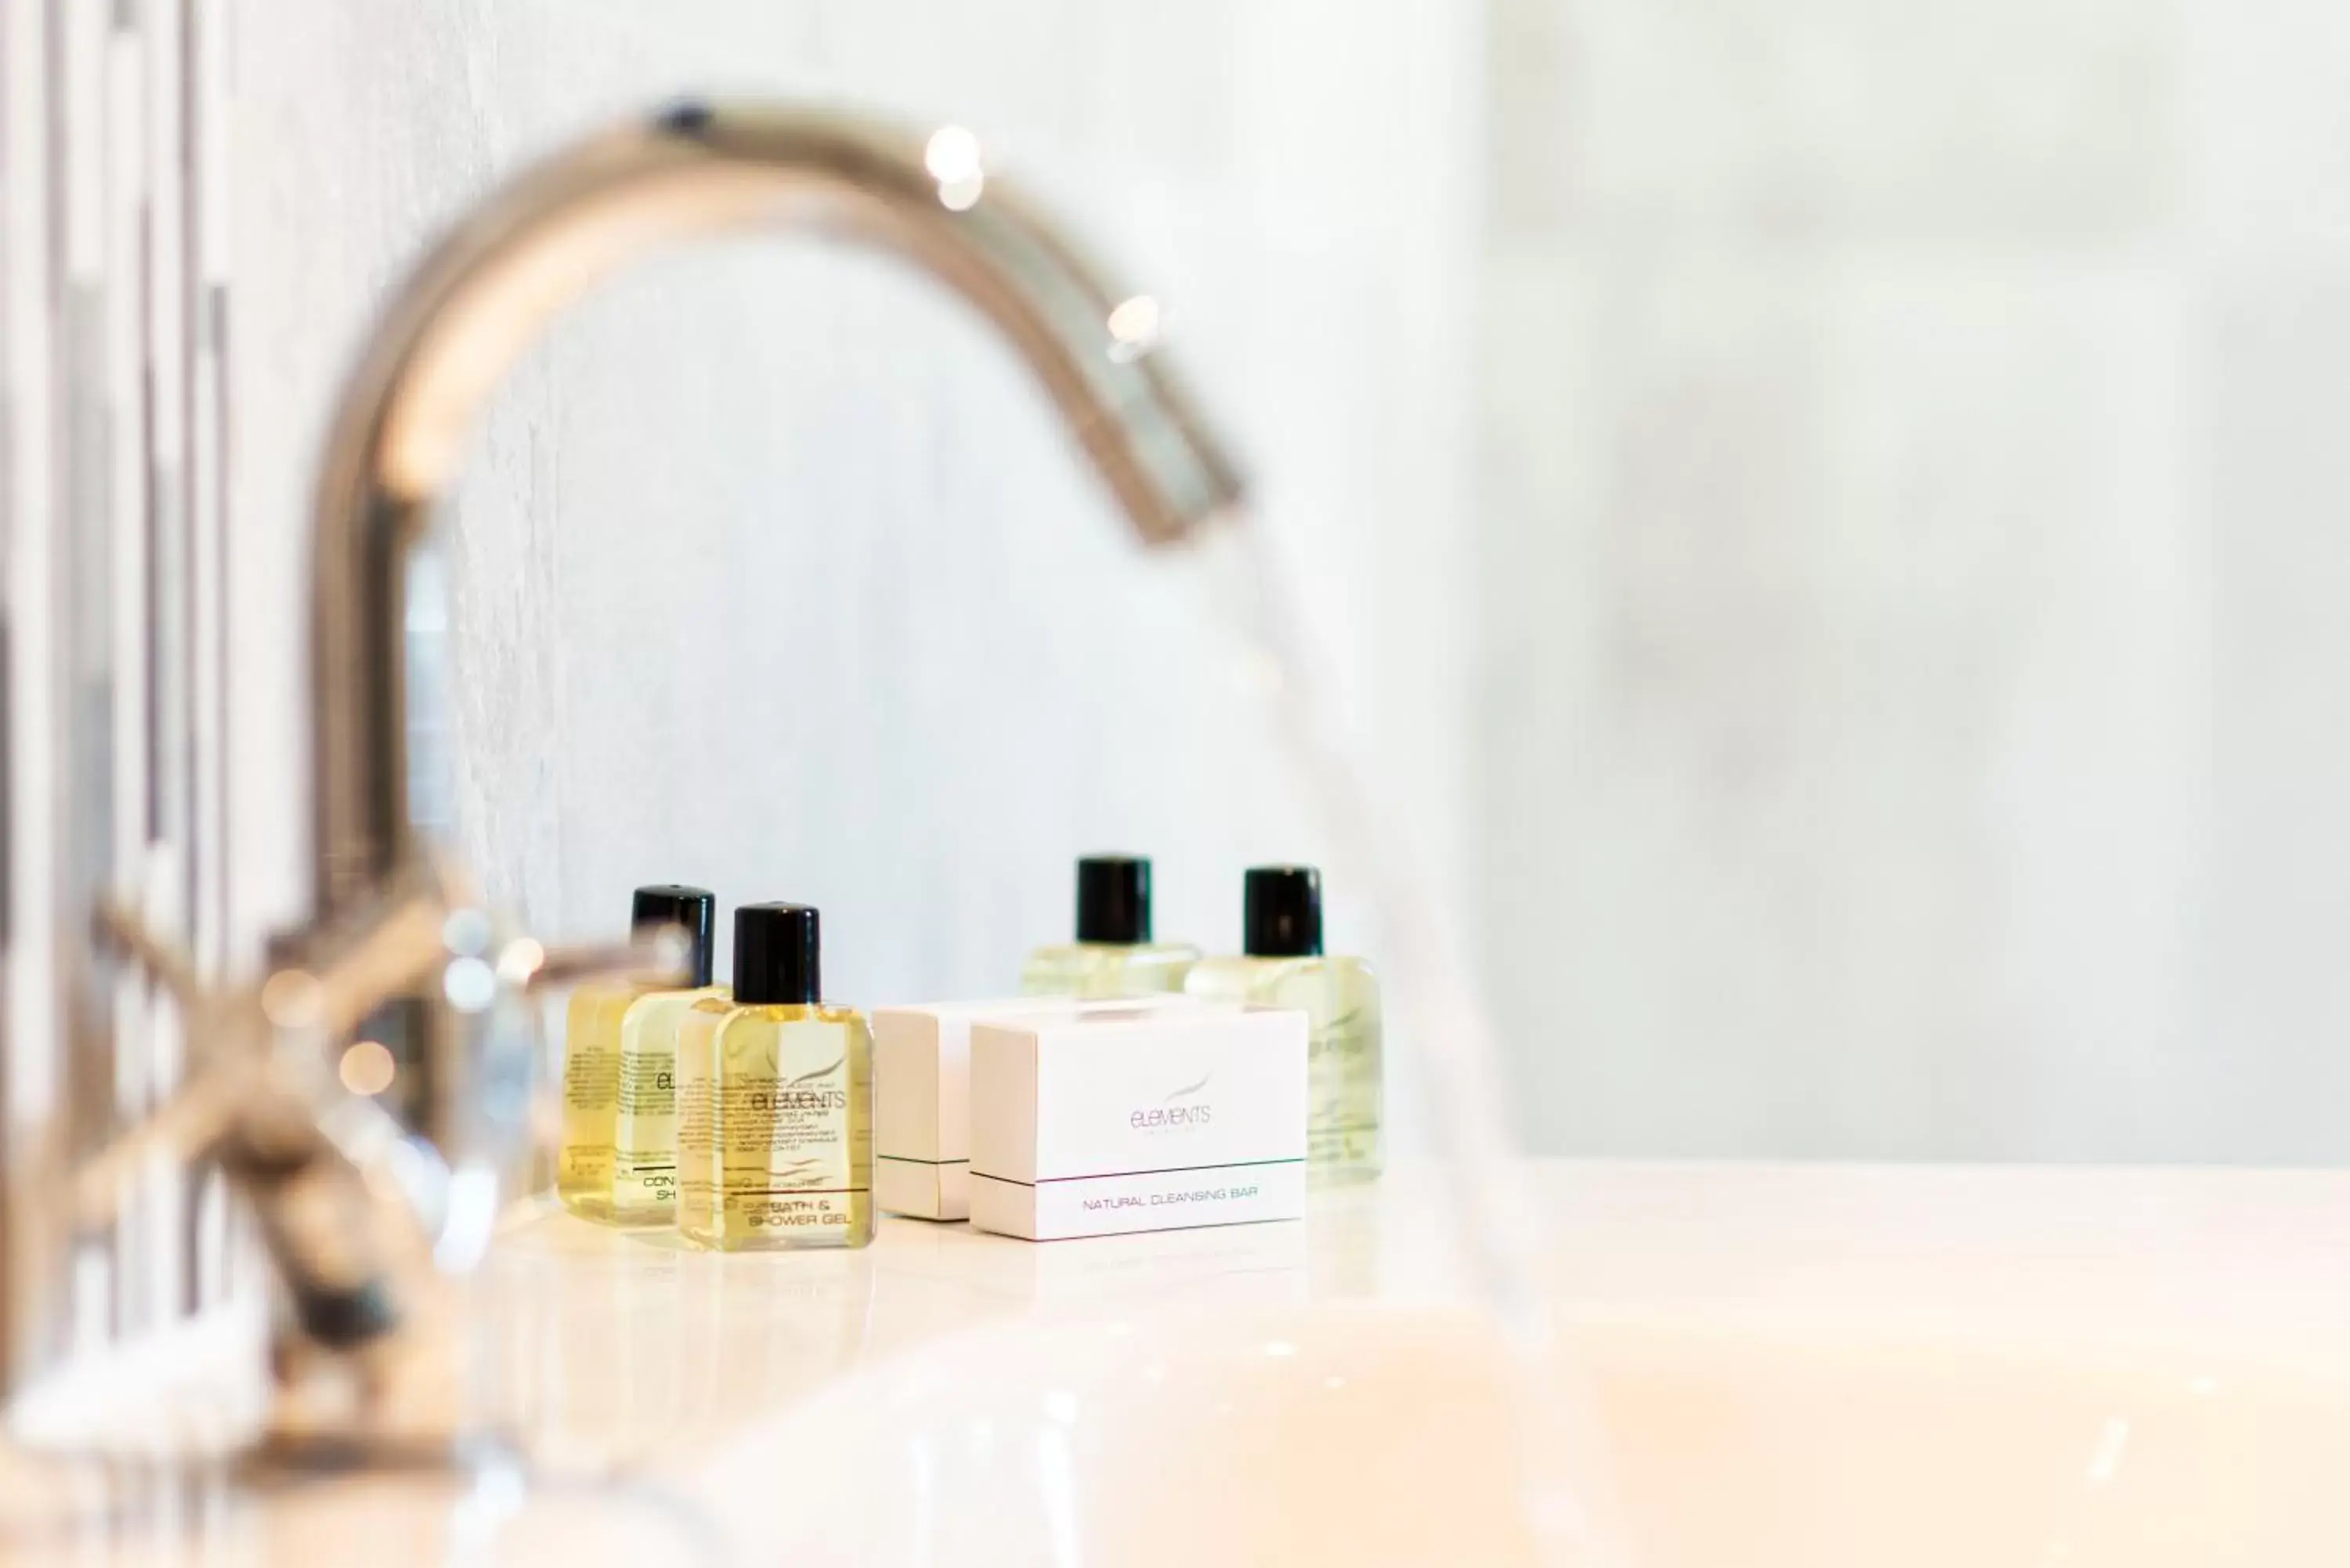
1115	1119
921	1096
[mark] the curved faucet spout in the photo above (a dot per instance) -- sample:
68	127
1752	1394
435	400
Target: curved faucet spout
482	299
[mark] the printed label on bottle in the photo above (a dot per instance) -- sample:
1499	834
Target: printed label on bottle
1343	1090
591	1073
644	1137
1344	1067
592	1060
644	1130
776	1142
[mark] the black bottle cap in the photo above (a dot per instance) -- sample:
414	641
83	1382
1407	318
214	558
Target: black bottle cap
776	955
1114	899
694	908
1282	912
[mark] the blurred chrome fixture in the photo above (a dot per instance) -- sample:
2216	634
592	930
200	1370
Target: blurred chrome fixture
492	285
361	1221
402	983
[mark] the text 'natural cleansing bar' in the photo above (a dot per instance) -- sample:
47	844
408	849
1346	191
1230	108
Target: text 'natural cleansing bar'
1133	1117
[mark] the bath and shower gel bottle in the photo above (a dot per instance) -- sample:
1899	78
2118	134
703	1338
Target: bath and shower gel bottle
612	1035
775	1100
1283	965
1113	955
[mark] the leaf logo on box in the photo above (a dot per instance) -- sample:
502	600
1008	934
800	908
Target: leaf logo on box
1167	1115
1188	1090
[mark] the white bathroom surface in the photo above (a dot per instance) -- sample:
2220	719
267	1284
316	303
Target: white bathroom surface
1780	1366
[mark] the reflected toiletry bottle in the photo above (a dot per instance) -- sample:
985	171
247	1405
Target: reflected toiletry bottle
775	1100
1113	955
611	1031
1283	966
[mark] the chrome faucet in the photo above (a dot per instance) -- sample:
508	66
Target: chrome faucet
399	950
483	298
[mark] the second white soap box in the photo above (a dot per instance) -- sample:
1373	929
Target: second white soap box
921	1096
1117	1119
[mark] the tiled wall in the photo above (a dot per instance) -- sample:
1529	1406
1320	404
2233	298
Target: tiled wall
114	312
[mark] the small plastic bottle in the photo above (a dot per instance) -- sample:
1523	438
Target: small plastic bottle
1283	965
1113	955
614	1035
775	1100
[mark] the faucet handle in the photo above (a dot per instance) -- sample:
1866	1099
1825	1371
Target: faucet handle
239	1082
343	1197
193	1119
360	1220
221	1026
119	928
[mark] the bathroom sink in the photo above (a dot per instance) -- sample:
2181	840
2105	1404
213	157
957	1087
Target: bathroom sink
1373	1435
1781	1366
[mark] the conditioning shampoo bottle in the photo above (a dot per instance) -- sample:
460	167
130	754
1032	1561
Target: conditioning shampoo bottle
617	1041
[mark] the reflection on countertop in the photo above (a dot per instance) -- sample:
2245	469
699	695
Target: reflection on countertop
603	1345
621	1372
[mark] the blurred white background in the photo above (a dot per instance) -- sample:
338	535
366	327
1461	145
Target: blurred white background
1829	510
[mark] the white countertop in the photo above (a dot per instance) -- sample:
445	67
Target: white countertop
608	1335
602	1350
